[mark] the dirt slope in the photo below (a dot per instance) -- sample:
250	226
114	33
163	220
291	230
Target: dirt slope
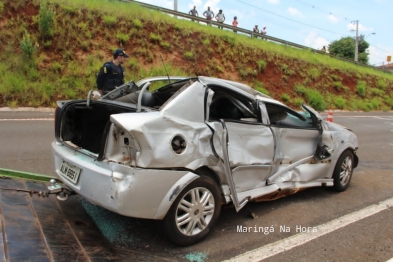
80	34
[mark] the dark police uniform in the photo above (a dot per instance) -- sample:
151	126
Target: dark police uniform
109	77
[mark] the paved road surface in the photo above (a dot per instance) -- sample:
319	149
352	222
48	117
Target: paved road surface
90	233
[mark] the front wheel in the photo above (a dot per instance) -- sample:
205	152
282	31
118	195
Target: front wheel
194	212
343	171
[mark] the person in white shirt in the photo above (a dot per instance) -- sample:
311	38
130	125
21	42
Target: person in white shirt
220	17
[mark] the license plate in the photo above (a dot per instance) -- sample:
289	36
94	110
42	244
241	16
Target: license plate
70	172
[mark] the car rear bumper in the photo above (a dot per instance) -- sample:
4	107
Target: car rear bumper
129	191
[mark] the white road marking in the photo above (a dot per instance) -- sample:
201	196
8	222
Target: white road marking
302	238
27	119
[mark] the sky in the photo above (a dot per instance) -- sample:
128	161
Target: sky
309	23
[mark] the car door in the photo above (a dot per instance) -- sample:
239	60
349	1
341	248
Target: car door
297	138
241	141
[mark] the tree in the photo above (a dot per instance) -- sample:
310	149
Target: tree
345	47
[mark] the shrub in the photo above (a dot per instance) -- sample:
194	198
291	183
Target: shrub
69	9
57	67
122	38
285	97
315	99
284	68
337	85
109	20
339	102
88	34
261	65
377	92
389	101
314	73
336	78
230	40
82	26
259	87
45	20
297	102
346	89
206	42
382	84
189	55
300	89
27	46
155	38
85	45
358	104
133	64
374	104
361	88
137	23
165	45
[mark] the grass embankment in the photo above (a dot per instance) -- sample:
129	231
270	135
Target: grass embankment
52	51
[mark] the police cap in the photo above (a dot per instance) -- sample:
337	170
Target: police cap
120	52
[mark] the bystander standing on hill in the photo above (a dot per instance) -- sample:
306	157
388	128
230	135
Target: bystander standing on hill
323	49
209	15
220	17
111	74
193	12
255	30
263	31
235	23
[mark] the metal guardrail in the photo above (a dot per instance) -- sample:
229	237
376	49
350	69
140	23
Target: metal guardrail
248	32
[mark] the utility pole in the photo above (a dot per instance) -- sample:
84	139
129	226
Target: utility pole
356	41
175	6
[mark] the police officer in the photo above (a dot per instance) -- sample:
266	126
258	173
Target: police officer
111	74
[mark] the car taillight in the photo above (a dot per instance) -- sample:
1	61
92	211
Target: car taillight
57	108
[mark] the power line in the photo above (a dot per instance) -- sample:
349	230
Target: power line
324	11
289	18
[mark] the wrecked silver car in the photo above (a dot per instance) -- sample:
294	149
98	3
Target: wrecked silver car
181	151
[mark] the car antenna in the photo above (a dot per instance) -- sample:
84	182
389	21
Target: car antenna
165	70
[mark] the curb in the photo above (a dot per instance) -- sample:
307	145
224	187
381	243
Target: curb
25	175
27	109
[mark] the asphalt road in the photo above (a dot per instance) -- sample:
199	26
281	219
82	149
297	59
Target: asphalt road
25	145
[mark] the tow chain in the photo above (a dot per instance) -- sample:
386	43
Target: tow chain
62	193
31	192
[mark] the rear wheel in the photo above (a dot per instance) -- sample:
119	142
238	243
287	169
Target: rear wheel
343	171
194	212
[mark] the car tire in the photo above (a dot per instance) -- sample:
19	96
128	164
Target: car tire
343	171
194	212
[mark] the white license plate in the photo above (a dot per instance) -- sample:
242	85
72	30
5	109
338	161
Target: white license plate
70	172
